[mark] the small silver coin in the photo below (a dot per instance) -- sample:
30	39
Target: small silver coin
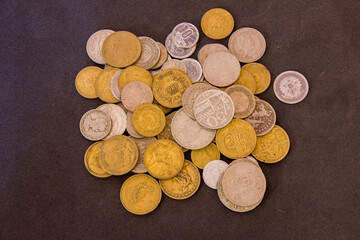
94	45
212	172
95	125
194	69
186	35
150	53
175	51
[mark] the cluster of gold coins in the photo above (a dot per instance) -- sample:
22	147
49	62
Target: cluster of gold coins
169	103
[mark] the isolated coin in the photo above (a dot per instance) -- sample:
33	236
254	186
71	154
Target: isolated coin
142	144
117	116
217	23
91	160
94	45
135	94
212	172
291	87
150	53
95	125
163	56
244	100
85	81
263	118
193	69
175	51
186	35
174	64
208	49
115	89
130	128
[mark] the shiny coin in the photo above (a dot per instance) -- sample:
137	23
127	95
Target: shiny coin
85	81
118	119
148	120
135	73
115	90
261	75
212	172
94	45
247	80
95	125
142	144
177	52
91	160
193	69
150	53
103	85
244	100
135	94
163	56
217	23
208	49
186	35
203	156
129	127
263	118
174	64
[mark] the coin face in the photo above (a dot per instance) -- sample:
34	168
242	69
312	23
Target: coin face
118	119
184	184
208	49
263	118
115	90
95	125
135	73
135	94
140	194
246	79
175	51
244	100
261	75
148	120
85	81
150	53
186	35
203	156
163	56
103	85
213	109
142	144
212	172
193	69
130	128
163	159
190	134
91	160
272	147
217	23
247	44
174	64
94	45
221	69
291	87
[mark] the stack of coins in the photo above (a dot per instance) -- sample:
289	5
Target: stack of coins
169	103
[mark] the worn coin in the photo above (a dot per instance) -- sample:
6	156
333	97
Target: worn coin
261	75
175	51
150	53
118	119
85	80
217	23
202	156
142	144
103	85
95	125
148	120
135	73
94	45
208	49
115	90
163	56
263	118
174	64
129	127
91	160
186	35
246	79
244	100
212	172
193	69
135	94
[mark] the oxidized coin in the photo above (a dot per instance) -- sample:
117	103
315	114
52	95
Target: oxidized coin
142	144
118	119
261	75
272	147
208	49
213	109
129	127
135	73
221	69
186	35
95	125
263	118
203	156
150	53
140	194
91	160
174	64
291	87
177	52
135	94
217	23
188	133
164	159
94	45
163	56
103	85
148	120
246	79
244	100
212	172
184	184
247	44
85	81
193	69
115	89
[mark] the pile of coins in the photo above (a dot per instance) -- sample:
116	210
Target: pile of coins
169	104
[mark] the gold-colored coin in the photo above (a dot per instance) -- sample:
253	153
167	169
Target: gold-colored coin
164	159
85	80
184	184
164	109
217	23
169	87
261	75
91	160
118	155
272	147
202	156
121	49
135	73
103	85
237	139
140	194
247	80
148	120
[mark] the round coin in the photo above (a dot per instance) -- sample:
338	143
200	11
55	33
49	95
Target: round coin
248	158
118	119
203	156
148	120
115	90
135	73
247	80
186	35
103	85
244	100
263	118
177	52
150	53
94	45
212	172
135	94
85	80
193	69
142	144
129	127
217	23
163	56
91	160
95	125
261	75
174	64
208	49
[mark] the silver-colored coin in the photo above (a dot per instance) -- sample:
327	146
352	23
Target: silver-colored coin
94	45
95	125
244	100
213	109
129	127
136	93
194	69
150	53
175	51
117	116
212	172
263	117
208	49
142	144
175	64
115	89
248	157
291	87
188	133
186	35
163	56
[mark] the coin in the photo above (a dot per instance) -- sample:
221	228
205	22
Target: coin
115	90
244	100
95	125
236	140
188	133
186	35
193	69
183	185
208	49
129	127
174	64
291	87
84	81
175	51
202	156
213	109
217	23
135	94
212	172
272	147
121	49
263	117
261	75
169	86
150	53
135	73
247	80
118	155
103	85
91	160
164	159
163	56
248	158
221	69
164	109
118	119
148	120
140	194
142	144
247	44
94	45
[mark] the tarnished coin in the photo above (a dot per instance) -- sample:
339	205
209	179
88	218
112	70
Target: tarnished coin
150	53
208	49
135	73
118	155
148	120
213	109
263	118
140	194
193	69
272	147
95	125
115	89
184	184
91	160
174	64
291	87
129	127
186	35
244	100
163	56
261	75
190	134
177	52
164	159
118	119
142	144
202	156
221	69
85	81
247	44
247	80
135	94
94	45
103	85
212	172
217	23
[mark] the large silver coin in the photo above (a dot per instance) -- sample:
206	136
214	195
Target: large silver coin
150	53
263	118
117	116
212	172
142	144
186	35
115	89
194	69
175	51
95	125
94	45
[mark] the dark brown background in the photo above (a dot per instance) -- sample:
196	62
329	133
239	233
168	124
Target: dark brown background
46	192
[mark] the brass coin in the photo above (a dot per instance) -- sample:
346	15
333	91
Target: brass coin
130	128
247	80
261	75
165	110
217	23
91	160
244	100
95	125
103	85
85	80
148	120
202	156
135	73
